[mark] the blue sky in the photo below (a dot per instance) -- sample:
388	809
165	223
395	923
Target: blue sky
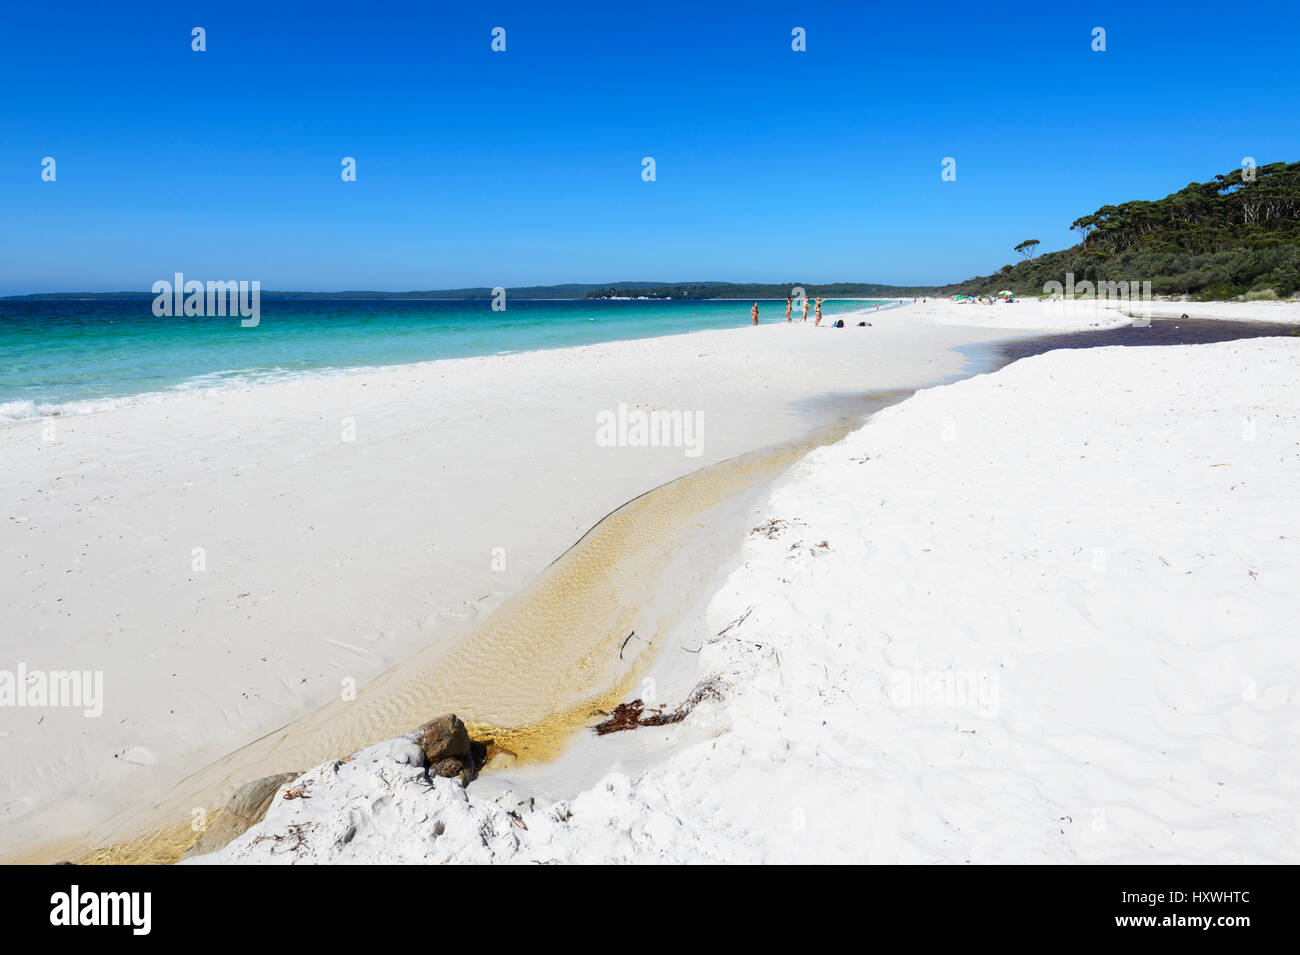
524	167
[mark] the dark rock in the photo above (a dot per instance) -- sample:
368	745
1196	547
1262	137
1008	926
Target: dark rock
443	738
447	768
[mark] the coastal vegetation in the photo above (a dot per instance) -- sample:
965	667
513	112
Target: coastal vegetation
1237	235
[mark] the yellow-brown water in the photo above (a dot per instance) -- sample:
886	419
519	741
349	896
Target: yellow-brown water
529	676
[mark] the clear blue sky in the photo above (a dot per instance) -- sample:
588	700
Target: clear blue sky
479	168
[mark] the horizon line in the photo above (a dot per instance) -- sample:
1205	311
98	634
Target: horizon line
486	290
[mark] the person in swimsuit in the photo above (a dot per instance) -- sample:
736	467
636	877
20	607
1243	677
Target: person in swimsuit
787	308
805	311
819	312
753	313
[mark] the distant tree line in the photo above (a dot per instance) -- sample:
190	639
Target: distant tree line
1235	235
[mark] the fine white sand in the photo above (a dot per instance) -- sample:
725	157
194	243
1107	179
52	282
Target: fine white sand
1233	311
1042	615
1094	313
345	522
1082	314
329	560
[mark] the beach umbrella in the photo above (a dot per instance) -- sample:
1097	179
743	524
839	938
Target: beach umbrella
1006	291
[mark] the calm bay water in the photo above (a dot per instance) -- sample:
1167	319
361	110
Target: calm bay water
75	355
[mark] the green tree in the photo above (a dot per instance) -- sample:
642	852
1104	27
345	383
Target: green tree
1027	247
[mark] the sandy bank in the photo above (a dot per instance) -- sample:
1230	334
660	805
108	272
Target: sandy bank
1044	615
347	524
231	559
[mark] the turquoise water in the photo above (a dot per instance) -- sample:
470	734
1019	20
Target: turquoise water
67	356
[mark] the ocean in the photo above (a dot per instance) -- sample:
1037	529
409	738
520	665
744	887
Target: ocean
61	357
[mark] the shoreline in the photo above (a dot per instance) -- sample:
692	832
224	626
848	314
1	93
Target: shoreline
976	334
251	379
20	408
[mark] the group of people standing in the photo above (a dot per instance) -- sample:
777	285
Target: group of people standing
789	303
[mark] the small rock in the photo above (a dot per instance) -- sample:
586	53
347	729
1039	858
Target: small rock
443	738
447	768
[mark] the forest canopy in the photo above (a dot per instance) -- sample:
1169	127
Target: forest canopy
1232	236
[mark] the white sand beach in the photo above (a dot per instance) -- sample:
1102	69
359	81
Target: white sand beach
1045	615
232	560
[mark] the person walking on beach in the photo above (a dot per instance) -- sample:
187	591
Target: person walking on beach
787	309
819	313
753	313
805	311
